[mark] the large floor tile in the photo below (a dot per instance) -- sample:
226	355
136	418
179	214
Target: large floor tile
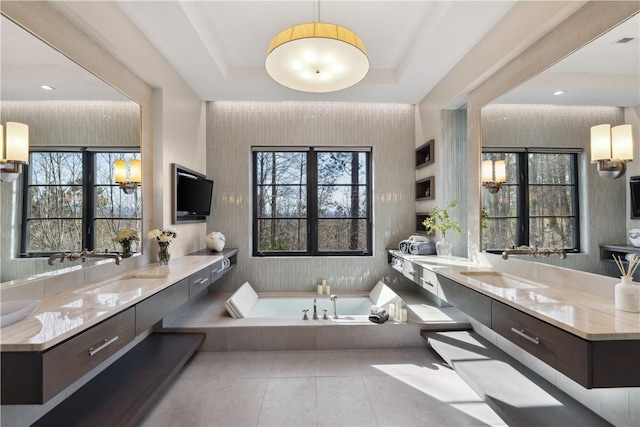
344	401
293	364
236	402
289	402
205	365
182	405
248	365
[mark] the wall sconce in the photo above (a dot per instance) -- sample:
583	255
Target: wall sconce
611	147
120	172
15	150
494	174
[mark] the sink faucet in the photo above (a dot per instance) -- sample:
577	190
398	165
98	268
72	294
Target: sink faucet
73	256
533	251
334	298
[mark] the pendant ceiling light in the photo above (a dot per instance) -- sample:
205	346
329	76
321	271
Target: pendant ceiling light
317	57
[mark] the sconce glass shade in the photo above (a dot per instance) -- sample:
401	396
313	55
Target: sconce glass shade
500	171
622	142
317	57
15	144
600	143
120	170
135	171
487	171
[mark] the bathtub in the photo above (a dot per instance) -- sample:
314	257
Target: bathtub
245	302
293	306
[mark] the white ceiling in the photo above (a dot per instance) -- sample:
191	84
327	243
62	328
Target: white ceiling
603	73
219	48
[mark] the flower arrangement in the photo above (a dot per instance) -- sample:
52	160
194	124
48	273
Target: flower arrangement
125	237
164	238
439	219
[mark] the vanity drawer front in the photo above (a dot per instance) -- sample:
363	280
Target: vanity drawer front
66	363
429	281
153	309
472	303
565	352
216	270
199	281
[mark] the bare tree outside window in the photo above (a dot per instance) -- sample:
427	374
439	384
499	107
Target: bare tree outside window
311	202
58	217
537	206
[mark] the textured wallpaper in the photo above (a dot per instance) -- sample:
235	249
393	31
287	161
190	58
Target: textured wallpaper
234	127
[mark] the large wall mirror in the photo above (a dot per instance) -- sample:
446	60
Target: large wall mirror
553	197
66	199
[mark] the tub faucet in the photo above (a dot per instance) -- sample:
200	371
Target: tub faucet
315	309
334	298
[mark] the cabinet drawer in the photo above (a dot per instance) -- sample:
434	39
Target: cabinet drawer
66	363
154	308
562	350
429	281
199	281
216	270
472	303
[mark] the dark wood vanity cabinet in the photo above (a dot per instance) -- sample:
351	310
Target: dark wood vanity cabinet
35	377
156	307
592	364
467	300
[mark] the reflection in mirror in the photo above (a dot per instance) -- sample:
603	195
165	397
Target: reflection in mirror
67	199
553	196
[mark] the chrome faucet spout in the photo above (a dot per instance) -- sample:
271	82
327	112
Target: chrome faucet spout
533	251
52	258
334	298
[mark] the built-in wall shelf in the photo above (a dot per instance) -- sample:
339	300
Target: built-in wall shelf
420	217
606	252
426	188
425	154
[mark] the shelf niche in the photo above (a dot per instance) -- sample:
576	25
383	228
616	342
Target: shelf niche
425	154
420	217
426	188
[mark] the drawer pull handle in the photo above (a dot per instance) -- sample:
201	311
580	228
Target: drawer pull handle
107	342
203	280
219	271
524	335
426	282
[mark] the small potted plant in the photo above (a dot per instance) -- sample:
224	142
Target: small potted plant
439	219
125	237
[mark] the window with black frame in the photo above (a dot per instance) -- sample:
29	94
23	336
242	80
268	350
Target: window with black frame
538	205
311	201
71	202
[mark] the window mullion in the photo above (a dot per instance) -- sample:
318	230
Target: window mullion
312	202
523	199
88	200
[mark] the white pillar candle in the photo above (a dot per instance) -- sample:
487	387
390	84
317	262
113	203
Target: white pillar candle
327	289
320	289
403	317
392	311
398	314
324	286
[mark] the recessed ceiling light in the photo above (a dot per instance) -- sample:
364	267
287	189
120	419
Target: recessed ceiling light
558	92
47	87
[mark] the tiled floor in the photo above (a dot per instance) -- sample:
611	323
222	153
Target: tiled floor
399	387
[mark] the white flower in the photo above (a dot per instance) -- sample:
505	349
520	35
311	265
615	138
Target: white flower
126	234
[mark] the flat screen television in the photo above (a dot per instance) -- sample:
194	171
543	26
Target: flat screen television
634	184
192	193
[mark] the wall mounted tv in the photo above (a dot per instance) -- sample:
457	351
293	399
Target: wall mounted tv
192	194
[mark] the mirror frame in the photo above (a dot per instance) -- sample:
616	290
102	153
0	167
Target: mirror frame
45	22
588	23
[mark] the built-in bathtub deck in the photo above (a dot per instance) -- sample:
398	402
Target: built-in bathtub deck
224	333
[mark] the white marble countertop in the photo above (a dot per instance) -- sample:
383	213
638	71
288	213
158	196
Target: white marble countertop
586	315
68	313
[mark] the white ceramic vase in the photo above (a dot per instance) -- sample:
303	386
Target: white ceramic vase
627	295
215	241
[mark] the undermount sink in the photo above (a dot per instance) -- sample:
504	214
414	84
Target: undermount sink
500	280
13	311
121	284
